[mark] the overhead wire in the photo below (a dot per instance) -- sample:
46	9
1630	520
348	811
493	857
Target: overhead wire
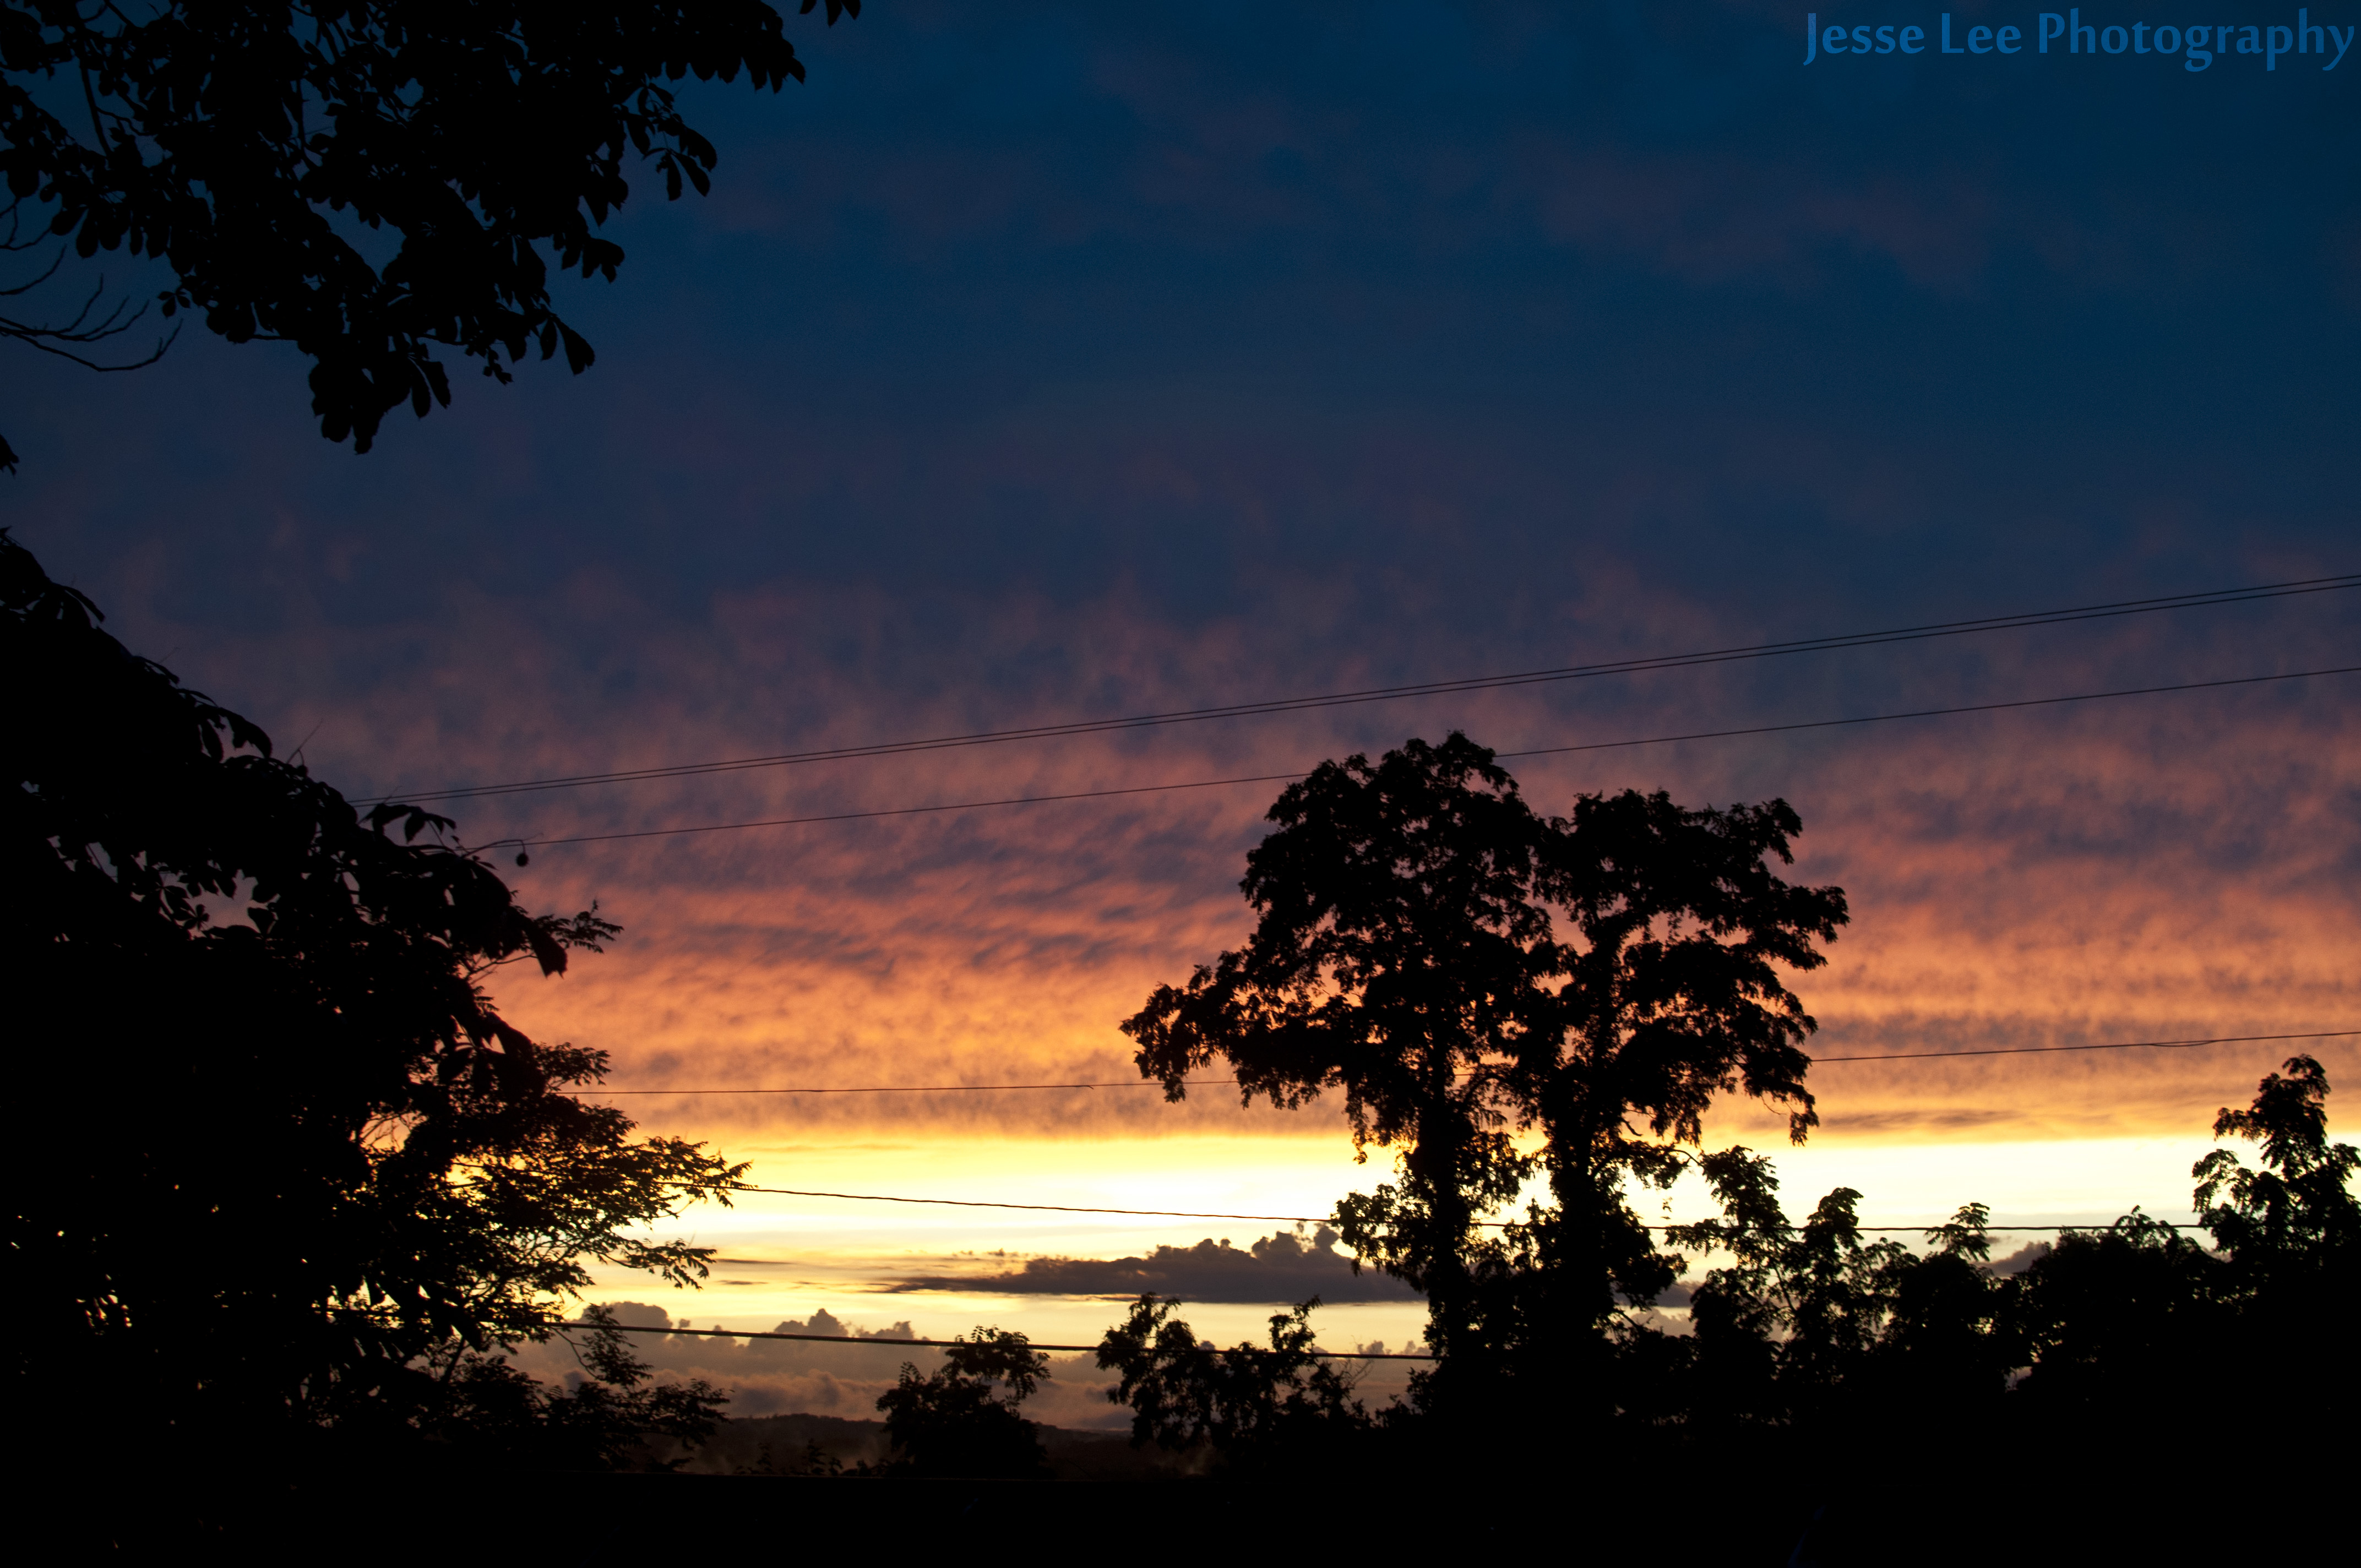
2108	1046
1219	1082
1282	1219
1313	1219
1838	643
1630	666
1354	697
537	842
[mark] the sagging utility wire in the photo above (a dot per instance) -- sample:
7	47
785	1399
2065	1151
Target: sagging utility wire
1422	689
523	845
1219	1082
1289	1219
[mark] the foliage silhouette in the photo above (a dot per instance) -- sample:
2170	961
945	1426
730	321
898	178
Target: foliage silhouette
1408	954
1501	996
2116	1321
1280	1411
1402	953
962	1420
2133	1328
2132	1325
2293	1226
2115	1353
1814	1322
485	1411
247	145
331	1171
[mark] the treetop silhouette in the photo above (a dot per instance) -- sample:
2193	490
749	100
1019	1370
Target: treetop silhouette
963	1420
1463	969
249	145
328	1158
1280	1410
2290	1217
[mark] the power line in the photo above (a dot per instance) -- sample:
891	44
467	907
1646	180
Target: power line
2113	1046
1423	688
843	1339
1050	1208
1282	1219
920	1088
1219	1082
897	811
1939	712
537	843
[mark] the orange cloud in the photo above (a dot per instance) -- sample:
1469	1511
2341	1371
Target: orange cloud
2155	868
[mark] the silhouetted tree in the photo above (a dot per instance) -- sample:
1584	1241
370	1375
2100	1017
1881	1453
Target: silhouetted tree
1847	1372
2292	1229
1675	994
1281	1411
1746	1312
1408	954
1817	1323
1939	1354
1403	953
485	1411
2137	1328
2126	1335
2118	1326
278	1158
962	1420
247	144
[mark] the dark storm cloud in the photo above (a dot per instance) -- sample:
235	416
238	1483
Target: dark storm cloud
1277	1270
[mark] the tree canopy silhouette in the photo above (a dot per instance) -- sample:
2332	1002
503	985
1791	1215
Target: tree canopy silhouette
1827	1373
1410	953
2294	1226
1281	1411
258	150
2137	1323
1818	1322
2133	1334
962	1420
484	1411
277	1149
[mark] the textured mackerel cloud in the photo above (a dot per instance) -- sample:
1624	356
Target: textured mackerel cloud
2154	868
1075	360
1992	909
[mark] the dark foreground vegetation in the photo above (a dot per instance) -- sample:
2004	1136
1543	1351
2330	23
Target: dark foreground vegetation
279	1170
284	1186
224	139
1831	1398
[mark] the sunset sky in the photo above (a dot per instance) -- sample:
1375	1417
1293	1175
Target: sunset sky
1042	363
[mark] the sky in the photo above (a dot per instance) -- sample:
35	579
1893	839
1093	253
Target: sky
1054	362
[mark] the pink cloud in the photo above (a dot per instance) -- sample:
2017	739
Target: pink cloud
2159	867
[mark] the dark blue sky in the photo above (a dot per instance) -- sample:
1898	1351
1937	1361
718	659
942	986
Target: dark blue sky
1439	306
